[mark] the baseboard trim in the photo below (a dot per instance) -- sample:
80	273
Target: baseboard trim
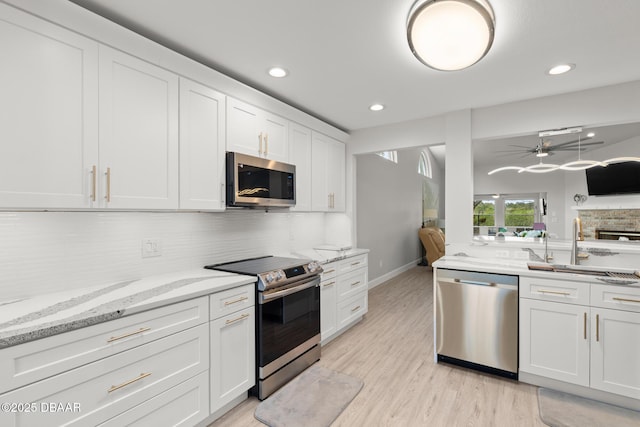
393	273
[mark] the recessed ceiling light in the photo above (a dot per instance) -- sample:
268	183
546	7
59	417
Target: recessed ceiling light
591	135
278	72
561	69
376	107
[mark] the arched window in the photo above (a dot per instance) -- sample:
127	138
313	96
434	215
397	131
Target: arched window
424	164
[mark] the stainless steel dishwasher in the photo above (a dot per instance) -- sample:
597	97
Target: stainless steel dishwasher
477	320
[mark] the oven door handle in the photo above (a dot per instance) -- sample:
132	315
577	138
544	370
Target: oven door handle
266	297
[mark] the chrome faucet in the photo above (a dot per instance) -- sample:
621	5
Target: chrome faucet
577	235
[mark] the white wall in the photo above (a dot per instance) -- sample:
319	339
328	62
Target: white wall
389	200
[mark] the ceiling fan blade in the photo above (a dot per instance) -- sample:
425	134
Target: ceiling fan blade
575	146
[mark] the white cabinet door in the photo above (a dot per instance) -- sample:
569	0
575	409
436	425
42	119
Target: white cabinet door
336	175
554	340
138	133
255	132
202	147
328	307
327	174
300	156
615	351
48	114
232	356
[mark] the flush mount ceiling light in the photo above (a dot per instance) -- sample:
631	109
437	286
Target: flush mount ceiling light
577	165
561	69
376	107
277	72
450	35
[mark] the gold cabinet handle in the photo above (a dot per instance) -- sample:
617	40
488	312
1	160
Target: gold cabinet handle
597	327
226	303
329	284
108	196
355	309
544	291
266	143
626	299
237	319
260	139
355	263
94	178
585	326
126	383
328	271
355	283
129	334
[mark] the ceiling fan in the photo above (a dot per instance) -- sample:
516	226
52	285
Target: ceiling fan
546	147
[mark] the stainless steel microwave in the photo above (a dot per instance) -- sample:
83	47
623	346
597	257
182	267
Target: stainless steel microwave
253	181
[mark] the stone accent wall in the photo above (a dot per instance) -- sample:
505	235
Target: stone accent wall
609	219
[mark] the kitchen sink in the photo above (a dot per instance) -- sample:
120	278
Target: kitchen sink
590	271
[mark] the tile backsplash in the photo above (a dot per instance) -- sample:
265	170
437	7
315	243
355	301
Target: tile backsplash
609	219
53	251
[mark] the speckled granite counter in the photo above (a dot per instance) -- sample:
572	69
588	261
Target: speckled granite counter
28	319
520	267
324	256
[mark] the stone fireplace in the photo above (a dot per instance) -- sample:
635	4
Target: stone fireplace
609	221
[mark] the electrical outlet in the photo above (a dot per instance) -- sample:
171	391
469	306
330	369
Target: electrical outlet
502	254
151	248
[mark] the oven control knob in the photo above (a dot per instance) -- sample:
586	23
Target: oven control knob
313	266
268	277
279	275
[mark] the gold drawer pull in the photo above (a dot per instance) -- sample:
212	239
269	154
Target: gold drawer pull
544	291
126	383
355	283
244	316
355	309
626	299
226	303
329	271
329	284
355	263
139	331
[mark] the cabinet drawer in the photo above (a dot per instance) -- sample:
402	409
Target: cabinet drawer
183	405
554	290
352	263
615	297
352	283
115	384
329	271
231	300
351	309
32	361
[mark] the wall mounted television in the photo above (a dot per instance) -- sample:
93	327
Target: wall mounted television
617	178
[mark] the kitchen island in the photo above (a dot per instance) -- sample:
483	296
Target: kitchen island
578	332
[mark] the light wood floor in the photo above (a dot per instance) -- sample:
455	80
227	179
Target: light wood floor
392	351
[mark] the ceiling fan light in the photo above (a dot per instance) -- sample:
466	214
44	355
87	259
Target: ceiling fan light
542	154
450	35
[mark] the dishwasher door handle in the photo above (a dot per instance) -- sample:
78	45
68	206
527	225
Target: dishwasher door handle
474	282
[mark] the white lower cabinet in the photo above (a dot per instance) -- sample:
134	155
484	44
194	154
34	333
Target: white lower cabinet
232	330
343	295
586	345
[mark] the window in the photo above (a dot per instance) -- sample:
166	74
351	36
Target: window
519	213
484	213
424	164
392	156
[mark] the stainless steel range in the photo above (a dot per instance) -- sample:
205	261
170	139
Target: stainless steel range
287	317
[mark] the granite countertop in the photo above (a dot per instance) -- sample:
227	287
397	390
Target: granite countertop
28	319
325	256
520	268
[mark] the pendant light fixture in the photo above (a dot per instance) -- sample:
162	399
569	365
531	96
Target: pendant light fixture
450	35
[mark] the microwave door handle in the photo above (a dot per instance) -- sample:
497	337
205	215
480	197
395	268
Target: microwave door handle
266	297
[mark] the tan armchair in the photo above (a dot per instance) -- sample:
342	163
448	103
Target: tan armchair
432	239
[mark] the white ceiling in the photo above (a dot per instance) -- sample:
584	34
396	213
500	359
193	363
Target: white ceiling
345	55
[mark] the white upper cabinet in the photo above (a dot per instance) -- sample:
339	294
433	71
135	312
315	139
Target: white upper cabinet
48	114
138	133
300	156
327	174
202	147
256	132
